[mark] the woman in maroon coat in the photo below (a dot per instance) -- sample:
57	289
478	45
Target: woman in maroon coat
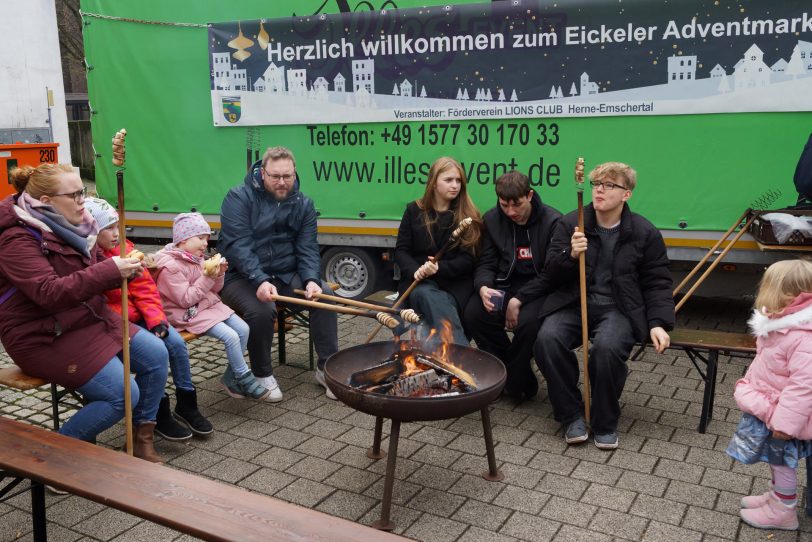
54	319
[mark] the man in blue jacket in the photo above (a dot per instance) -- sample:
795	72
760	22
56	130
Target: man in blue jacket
268	237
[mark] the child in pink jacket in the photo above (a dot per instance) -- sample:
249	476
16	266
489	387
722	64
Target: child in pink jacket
775	394
192	303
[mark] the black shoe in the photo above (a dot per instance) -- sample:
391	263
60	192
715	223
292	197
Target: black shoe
186	411
166	426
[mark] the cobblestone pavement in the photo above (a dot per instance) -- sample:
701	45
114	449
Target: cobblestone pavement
665	482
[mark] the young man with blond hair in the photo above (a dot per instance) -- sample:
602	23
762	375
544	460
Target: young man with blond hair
628	300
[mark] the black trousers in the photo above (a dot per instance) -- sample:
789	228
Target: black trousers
488	330
612	341
241	295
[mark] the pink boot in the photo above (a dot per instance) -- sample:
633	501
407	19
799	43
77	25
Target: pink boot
773	514
756	501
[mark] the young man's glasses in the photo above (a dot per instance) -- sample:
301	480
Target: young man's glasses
276	178
607	185
77	196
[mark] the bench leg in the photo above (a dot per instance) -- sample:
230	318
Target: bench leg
310	345
55	406
809	486
710	390
38	511
281	318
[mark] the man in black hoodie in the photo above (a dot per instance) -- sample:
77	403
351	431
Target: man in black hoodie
508	279
628	300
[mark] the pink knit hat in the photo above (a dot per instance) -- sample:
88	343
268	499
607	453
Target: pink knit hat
187	225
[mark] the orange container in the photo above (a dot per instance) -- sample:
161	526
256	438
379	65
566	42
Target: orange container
23	154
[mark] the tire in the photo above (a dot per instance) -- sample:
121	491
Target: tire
354	269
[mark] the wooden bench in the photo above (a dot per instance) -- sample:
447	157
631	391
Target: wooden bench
185	502
705	346
14	377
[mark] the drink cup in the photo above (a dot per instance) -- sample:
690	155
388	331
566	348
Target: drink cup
498	299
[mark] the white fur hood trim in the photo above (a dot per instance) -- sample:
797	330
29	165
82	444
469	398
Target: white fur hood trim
761	325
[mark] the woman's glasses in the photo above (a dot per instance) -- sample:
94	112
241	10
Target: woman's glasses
77	196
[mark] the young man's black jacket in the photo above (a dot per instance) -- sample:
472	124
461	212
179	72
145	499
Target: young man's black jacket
498	258
641	282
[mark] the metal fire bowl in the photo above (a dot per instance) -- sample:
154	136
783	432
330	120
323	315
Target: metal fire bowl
487	370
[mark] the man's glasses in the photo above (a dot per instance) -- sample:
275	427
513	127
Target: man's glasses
607	185
275	177
77	196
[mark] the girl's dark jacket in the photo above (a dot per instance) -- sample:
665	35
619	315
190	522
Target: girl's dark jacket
498	259
57	324
413	248
264	239
641	280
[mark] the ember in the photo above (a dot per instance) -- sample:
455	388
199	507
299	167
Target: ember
413	373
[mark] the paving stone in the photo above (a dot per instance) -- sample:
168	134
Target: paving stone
643	483
617	524
523	500
402	491
403	467
436	529
467	443
106	524
328	429
353	456
589	452
438	502
562	486
518	475
679	471
68	512
540	424
546	442
467	426
609	497
402	517
694	439
727	481
691	494
710	522
230	470
530	527
663	532
434	477
435	455
476	487
145	530
319	447
278	458
285	438
295	420
570	533
633	461
662	510
594	472
506	417
709	458
346	505
15	525
352	479
482	514
267	481
252	429
305	492
313	468
475	534
359	437
510	435
431	435
244	449
662	448
558	464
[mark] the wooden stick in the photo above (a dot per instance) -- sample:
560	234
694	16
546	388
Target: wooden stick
714	263
353	302
382	317
463	225
118	160
710	252
582	285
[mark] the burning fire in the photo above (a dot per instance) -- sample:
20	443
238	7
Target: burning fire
441	354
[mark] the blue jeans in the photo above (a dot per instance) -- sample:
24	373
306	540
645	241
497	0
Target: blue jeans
105	391
435	305
233	332
178	357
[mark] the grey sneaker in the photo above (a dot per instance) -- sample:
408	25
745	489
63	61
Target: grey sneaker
270	382
320	379
607	441
243	386
576	432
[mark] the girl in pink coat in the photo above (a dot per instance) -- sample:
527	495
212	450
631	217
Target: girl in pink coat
775	395
192	304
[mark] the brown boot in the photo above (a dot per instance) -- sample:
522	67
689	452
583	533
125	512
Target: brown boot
142	446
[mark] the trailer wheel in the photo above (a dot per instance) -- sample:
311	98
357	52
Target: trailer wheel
353	269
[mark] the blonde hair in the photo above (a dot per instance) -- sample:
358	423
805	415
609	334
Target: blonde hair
613	170
277	153
39	181
782	282
462	206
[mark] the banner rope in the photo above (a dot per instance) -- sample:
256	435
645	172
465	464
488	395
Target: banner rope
140	21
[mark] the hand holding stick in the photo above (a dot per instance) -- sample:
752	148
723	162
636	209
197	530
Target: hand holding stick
579	185
407	315
118	161
456	234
